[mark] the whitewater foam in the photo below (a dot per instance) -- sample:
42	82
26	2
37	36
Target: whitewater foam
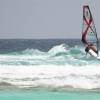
60	67
84	77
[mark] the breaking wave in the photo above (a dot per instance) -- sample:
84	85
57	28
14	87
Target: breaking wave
51	76
60	67
60	54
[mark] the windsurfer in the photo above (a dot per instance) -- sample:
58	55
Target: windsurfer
91	50
89	34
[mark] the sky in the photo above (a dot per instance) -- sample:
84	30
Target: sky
38	19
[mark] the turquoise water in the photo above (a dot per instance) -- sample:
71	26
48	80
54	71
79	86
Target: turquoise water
48	95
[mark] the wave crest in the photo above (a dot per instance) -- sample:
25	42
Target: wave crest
59	54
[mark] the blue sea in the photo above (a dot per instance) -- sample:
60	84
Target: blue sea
47	69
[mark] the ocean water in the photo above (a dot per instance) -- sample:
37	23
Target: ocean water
59	65
49	95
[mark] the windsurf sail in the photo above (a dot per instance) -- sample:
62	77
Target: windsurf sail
89	34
